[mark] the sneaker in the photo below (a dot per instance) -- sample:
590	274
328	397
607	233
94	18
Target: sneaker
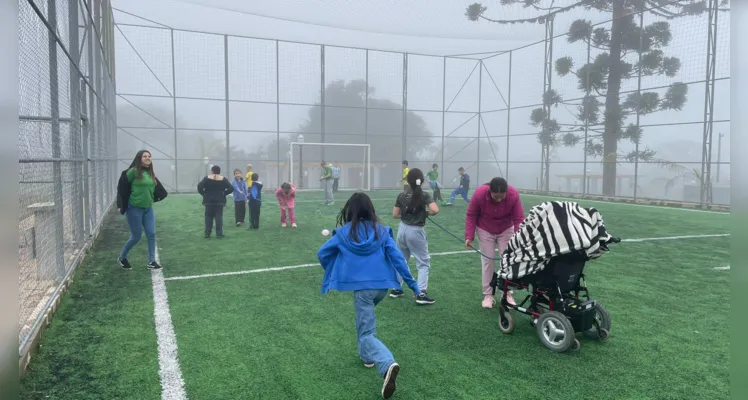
510	298
488	301
154	265
283	225
124	264
293	225
238	224
368	364
207	235
396	293
389	386
423	298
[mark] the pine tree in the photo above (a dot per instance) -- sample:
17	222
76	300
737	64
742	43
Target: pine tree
629	51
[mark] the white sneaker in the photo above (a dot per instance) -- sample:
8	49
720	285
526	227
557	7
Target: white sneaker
283	225
294	225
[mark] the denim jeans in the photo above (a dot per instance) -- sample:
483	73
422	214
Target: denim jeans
370	349
139	219
411	240
462	192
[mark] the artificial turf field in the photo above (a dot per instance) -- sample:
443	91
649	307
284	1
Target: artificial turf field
272	335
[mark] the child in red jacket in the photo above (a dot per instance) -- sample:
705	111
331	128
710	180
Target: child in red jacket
286	195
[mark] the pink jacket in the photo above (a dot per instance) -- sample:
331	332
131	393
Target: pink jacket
286	200
485	213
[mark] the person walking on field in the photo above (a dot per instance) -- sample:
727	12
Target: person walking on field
214	188
335	178
286	195
137	190
494	214
412	207
327	178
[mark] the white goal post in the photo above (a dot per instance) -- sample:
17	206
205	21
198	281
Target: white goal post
365	173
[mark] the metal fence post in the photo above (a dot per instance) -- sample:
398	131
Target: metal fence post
444	108
480	119
226	80
508	116
277	118
54	92
174	106
90	144
86	192
100	137
75	125
404	144
322	100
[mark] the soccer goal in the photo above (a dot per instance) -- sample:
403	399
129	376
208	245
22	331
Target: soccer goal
351	165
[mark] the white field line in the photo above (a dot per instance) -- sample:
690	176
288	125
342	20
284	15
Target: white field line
172	384
725	268
446	253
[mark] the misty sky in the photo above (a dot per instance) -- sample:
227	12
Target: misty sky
436	27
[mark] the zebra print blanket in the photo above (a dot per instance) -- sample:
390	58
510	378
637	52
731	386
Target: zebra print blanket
551	229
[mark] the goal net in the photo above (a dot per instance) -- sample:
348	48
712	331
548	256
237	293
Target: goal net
350	163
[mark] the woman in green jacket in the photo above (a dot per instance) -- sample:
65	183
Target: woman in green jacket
137	190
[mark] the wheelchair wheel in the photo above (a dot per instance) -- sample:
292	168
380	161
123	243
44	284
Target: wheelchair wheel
602	318
555	331
506	322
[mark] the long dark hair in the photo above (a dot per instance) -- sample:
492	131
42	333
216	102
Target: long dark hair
137	163
415	179
357	210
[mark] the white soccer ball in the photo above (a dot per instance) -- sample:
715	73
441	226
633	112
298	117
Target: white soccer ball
325	232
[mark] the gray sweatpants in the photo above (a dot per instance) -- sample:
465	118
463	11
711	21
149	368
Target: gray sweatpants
328	191
411	240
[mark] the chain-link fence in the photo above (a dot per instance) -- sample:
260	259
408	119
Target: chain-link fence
537	115
67	144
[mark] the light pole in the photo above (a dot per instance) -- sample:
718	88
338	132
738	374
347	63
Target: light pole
289	154
719	154
206	161
300	139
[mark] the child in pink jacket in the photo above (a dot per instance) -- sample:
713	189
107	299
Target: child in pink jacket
286	195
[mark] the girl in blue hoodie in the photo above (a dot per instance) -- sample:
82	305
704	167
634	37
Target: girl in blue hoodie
362	257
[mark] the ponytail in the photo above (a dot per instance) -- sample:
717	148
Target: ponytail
415	179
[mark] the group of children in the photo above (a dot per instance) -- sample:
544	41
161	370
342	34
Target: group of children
432	177
246	190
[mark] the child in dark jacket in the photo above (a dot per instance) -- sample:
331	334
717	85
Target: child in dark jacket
240	197
362	257
255	201
214	188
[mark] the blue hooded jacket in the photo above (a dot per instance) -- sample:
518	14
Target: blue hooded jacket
368	264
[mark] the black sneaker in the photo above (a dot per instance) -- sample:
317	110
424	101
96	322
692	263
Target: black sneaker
423	298
389	386
396	293
154	265
124	264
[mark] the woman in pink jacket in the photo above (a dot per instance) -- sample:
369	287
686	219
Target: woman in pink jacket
495	213
286	195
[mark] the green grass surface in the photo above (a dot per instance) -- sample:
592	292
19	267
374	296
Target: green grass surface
271	335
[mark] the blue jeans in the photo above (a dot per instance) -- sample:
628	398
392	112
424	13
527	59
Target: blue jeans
370	349
139	219
460	191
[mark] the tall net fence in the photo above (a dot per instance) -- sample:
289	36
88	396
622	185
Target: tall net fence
67	144
535	115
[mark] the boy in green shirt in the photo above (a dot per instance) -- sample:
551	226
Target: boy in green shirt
327	178
433	178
